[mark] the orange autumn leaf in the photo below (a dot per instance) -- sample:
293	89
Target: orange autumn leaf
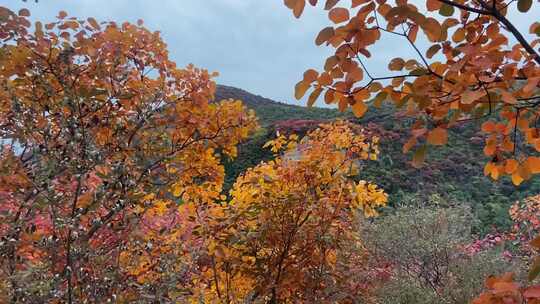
438	136
480	70
359	108
338	15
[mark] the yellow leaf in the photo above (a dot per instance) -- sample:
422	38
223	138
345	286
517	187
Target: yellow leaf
149	197
517	179
160	207
495	173
177	190
487	168
438	136
419	156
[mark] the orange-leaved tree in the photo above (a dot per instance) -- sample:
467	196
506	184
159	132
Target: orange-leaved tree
471	62
288	233
98	126
525	216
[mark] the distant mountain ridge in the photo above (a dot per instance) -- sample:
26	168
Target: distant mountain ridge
270	111
250	99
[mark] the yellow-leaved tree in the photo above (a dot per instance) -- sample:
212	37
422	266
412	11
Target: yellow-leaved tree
288	232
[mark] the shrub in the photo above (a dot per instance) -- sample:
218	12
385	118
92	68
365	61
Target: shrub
423	250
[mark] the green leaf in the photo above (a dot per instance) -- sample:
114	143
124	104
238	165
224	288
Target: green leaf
524	5
381	96
419	157
330	4
446	10
418	72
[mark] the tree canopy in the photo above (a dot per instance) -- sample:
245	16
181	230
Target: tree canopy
97	120
476	65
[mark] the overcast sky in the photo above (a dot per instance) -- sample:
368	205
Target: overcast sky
256	45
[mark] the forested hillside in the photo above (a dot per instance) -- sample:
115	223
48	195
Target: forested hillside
452	174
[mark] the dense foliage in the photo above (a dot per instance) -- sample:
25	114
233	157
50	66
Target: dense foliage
118	178
479	74
96	120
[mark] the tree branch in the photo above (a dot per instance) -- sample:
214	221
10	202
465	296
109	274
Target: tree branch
466	8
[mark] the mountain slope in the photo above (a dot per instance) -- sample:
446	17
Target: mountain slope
452	173
270	111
